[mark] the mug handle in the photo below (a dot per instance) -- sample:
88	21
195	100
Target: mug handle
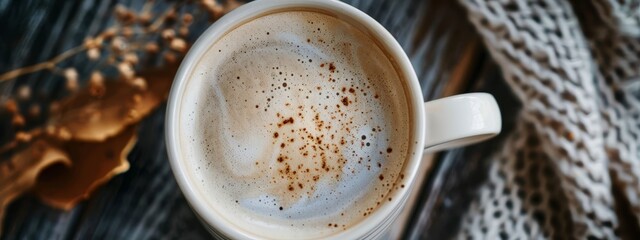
461	120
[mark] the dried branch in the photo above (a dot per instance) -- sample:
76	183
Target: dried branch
47	65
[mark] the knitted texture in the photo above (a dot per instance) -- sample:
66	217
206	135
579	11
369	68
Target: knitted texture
576	70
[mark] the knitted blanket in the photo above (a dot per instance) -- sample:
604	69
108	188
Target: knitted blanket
575	66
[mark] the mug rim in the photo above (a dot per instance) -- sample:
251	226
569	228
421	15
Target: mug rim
248	12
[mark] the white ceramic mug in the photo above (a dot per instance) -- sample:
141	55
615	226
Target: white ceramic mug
441	124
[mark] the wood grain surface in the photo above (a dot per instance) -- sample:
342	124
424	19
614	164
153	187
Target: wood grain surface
146	203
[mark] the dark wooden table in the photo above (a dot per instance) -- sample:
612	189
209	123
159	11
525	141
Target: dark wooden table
146	203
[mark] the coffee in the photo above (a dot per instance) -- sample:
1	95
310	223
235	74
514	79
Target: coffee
295	123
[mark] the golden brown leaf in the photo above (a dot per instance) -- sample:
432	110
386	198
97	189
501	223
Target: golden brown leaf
93	164
85	143
18	174
91	117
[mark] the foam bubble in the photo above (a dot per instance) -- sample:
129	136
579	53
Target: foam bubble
297	121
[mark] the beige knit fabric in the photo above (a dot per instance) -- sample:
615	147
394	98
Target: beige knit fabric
575	66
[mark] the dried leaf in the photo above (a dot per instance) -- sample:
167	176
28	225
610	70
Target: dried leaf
86	143
93	164
91	117
18	174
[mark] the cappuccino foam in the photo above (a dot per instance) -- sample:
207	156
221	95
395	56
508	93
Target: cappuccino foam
295	123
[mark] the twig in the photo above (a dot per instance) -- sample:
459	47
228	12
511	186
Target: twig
50	64
43	65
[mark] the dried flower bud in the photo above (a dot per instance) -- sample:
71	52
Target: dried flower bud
168	34
139	83
129	18
120	10
71	77
17	120
126	70
109	33
50	130
169	57
91	43
214	9
179	45
64	134
11	106
127	32
183	31
70	73
34	110
217	12
131	58
151	47
145	18
93	54
124	15
96	84
23	136
118	44
171	16
209	4
98	41
187	18
96	78
24	92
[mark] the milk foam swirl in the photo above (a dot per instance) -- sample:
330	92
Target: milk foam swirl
295	120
